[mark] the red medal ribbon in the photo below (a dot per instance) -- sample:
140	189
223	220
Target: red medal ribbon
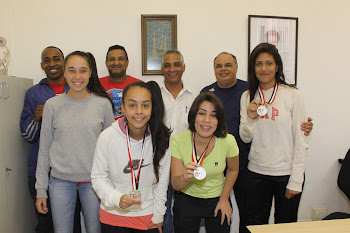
273	96
194	154
134	181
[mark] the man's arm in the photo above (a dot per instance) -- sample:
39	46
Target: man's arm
30	122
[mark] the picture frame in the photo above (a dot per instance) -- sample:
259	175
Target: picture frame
281	32
158	35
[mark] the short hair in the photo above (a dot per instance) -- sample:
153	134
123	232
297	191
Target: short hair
176	52
114	47
234	57
221	129
51	47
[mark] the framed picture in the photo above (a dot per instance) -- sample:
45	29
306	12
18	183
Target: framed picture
159	34
281	32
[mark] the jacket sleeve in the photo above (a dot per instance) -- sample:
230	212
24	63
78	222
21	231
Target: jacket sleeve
30	129
103	187
161	188
247	125
43	166
296	179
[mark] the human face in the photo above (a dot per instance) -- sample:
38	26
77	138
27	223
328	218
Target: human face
77	73
225	70
137	108
265	70
52	64
206	122
172	69
117	64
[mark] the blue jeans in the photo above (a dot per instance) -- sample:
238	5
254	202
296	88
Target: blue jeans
63	196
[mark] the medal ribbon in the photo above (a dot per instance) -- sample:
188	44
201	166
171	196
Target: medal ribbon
134	181
273	96
194	154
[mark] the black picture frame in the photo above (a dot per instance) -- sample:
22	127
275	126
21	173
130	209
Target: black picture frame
280	31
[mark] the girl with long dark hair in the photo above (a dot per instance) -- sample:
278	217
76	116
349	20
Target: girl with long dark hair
130	172
271	114
70	127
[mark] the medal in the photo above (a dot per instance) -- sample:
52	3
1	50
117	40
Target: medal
262	109
135	193
199	173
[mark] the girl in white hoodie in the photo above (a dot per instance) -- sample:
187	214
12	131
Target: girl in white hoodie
130	172
271	114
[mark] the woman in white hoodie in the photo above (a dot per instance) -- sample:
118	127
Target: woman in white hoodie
271	114
130	172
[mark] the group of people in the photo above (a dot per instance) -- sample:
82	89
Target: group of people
116	142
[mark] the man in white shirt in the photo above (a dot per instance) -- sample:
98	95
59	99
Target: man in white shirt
178	99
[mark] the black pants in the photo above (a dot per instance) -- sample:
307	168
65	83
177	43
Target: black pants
112	229
188	212
240	190
261	190
45	224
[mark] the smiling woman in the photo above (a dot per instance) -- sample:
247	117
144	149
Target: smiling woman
199	157
71	124
130	173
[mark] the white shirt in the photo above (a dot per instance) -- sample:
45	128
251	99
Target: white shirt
176	110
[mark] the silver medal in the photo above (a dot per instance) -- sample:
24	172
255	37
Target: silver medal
136	194
262	110
199	173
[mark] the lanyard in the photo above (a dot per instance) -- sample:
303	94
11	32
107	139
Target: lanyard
273	96
194	154
135	178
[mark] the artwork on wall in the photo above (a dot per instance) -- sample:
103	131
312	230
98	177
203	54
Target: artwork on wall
158	34
281	32
4	57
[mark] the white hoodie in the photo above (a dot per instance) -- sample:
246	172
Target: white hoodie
111	177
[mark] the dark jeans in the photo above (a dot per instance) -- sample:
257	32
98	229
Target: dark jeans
261	190
112	229
188	212
240	190
168	218
45	224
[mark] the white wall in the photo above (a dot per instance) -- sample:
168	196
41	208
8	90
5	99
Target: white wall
206	28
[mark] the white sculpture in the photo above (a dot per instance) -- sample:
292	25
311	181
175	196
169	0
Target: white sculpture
4	57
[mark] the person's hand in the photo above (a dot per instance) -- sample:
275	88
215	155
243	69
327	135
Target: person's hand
226	211
158	225
291	193
252	108
307	126
38	113
41	205
188	171
126	201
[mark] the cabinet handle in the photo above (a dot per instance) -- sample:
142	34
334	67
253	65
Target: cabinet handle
0	90
8	90
8	169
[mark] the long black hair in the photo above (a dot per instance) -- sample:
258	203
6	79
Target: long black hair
253	81
94	84
160	133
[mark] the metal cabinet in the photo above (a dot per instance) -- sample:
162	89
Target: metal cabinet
16	207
